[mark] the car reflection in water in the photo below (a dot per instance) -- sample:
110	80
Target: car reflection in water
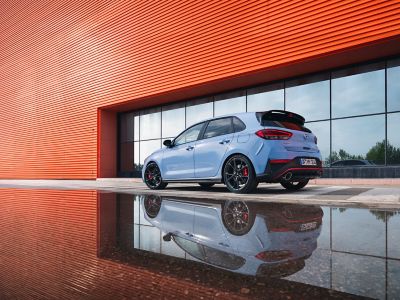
264	239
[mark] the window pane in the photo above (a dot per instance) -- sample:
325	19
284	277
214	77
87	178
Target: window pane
359	138
136	121
265	97
393	85
230	103
198	110
189	135
150	124
218	127
393	149
322	132
126	125
126	157
358	91
173	120
309	97
136	161
148	147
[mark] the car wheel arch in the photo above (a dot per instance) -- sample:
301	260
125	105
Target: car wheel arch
221	171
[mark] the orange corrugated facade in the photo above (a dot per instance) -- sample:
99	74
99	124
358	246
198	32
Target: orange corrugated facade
62	61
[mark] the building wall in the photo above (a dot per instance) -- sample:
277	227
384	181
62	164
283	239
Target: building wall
60	61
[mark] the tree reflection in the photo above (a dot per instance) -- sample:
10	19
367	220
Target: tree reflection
383	216
375	154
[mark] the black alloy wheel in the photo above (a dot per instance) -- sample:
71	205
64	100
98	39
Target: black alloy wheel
237	217
293	185
152	177
152	205
239	176
206	185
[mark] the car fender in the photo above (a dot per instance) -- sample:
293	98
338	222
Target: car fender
154	157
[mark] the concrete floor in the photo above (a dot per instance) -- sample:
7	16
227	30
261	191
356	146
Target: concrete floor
368	195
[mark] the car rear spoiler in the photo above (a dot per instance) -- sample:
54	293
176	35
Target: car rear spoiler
280	115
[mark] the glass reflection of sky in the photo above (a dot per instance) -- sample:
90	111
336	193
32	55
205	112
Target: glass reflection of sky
230	106
148	147
150	125
265	101
309	100
198	113
393	86
358	94
173	120
393	123
322	131
356	136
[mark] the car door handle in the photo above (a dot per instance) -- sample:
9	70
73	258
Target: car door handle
189	148
224	142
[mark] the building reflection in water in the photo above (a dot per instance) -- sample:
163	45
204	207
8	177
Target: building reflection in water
328	248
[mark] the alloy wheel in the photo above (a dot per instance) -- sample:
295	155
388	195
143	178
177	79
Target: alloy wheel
237	217
152	177
236	173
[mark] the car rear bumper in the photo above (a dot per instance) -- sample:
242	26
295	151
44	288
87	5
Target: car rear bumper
290	170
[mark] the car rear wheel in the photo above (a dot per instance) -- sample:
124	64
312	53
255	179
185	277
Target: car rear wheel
152	177
238	217
294	186
206	185
239	176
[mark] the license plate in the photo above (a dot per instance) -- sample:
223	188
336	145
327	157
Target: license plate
308	226
308	162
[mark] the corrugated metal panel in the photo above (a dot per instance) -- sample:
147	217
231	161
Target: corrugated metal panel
61	60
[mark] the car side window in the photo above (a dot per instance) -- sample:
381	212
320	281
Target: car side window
238	125
189	135
218	127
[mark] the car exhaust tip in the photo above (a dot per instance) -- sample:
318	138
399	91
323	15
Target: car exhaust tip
288	176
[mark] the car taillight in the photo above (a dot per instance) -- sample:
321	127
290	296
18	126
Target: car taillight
274	134
271	256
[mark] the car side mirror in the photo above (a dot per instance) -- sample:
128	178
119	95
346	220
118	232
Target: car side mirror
167	237
168	143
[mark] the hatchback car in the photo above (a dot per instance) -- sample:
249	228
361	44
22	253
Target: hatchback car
239	150
266	239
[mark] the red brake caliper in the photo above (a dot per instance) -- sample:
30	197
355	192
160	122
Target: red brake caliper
149	176
245	171
245	216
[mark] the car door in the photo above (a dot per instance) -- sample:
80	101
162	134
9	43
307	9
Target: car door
178	160
211	148
208	228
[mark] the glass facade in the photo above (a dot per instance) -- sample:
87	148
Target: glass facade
354	112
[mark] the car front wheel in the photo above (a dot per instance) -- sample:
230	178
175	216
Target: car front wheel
152	177
239	176
294	186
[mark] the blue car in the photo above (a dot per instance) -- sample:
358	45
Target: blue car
267	239
239	150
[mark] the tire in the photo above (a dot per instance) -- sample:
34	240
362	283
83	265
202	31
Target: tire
206	185
152	177
238	217
294	186
152	205
238	174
